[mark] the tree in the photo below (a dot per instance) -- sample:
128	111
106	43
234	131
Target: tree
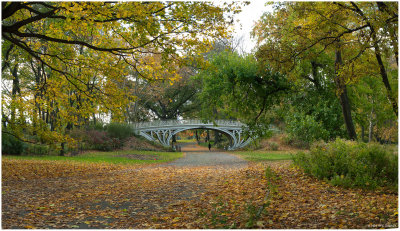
383	29
311	111
373	111
300	31
73	60
166	100
240	89
119	29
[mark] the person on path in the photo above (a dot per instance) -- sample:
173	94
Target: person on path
209	146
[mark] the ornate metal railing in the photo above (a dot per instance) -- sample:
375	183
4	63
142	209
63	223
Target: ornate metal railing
176	123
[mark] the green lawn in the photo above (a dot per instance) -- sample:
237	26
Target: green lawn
115	157
203	144
186	141
264	155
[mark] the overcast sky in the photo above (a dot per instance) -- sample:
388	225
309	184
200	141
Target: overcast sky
249	15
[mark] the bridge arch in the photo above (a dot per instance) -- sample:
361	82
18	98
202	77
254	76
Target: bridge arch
229	134
162	131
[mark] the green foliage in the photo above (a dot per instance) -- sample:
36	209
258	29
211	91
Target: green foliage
119	131
166	100
289	43
351	164
273	146
312	113
239	88
11	145
373	109
99	126
287	37
37	149
305	128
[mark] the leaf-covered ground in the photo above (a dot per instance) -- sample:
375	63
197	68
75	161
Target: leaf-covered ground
50	194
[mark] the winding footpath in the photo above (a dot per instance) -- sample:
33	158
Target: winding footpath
196	156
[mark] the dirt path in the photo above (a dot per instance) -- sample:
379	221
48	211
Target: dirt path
196	156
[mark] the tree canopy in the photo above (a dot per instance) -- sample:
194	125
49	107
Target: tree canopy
66	63
319	69
361	39
240	88
366	34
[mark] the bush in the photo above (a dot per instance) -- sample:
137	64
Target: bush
273	146
99	140
99	126
294	142
351	164
119	131
78	134
11	145
103	138
37	149
305	129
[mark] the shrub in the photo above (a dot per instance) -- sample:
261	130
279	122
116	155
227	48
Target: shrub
11	145
78	134
351	164
294	142
99	126
305	129
119	131
99	140
37	149
103	138
273	146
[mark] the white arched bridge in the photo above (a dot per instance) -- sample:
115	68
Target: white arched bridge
163	130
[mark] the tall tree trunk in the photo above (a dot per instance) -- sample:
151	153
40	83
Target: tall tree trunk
4	120
362	132
344	99
383	72
62	151
370	130
315	79
375	40
94	119
392	28
385	79
371	124
217	137
15	90
394	43
197	137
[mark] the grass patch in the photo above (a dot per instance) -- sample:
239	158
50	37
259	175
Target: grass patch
260	156
187	141
115	157
203	144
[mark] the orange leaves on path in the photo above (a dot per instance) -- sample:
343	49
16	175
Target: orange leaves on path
126	196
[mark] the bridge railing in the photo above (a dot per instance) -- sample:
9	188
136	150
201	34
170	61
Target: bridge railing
175	123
